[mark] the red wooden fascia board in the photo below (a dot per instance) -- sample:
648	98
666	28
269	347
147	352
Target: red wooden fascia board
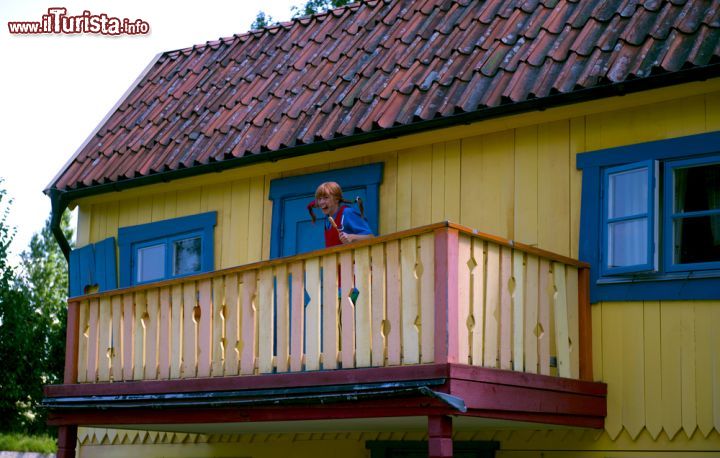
523	379
402	407
488	393
268	381
517	399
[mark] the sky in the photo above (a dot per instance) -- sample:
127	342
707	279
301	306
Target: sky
56	88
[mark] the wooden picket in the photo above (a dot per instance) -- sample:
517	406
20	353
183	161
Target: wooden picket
204	328
298	316
177	332
165	336
378	340
330	315
426	250
363	319
347	312
92	342
190	337
116	345
83	341
518	310
312	315
530	340
219	323
231	308
266	334
151	335
477	302
409	303
104	336
128	336
248	336
465	270
492	307
393	336
282	316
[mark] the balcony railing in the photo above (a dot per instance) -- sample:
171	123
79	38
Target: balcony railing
439	293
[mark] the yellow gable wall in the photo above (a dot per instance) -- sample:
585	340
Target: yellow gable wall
514	177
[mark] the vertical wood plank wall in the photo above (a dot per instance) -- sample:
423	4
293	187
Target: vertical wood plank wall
661	361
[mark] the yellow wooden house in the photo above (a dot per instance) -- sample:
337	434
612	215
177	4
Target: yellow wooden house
543	182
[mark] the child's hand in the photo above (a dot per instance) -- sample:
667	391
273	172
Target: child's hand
345	238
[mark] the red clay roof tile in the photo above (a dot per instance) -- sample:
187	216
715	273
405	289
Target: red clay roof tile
380	64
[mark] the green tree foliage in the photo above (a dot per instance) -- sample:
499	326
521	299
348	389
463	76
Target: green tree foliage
32	325
18	334
6	236
45	284
317	6
21	356
262	20
310	7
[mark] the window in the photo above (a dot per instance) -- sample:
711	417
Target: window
292	229
692	224
629	209
650	224
166	249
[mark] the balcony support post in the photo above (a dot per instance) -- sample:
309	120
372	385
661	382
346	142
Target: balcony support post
446	295
67	435
67	440
585	324
72	337
440	436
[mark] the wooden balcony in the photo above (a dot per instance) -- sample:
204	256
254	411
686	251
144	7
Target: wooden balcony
391	301
439	302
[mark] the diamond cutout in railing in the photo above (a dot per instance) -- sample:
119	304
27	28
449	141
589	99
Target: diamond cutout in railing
471	264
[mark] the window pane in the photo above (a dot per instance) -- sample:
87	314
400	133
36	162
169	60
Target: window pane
186	256
628	193
697	188
627	244
697	239
151	263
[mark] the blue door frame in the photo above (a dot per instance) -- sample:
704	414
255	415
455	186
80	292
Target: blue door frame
292	228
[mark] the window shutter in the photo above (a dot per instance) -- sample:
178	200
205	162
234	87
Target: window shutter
93	265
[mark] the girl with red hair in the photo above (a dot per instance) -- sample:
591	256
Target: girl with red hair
344	223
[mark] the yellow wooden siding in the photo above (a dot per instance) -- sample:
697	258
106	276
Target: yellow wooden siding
660	362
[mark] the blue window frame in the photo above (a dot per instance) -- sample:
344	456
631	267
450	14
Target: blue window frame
292	229
650	220
166	249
